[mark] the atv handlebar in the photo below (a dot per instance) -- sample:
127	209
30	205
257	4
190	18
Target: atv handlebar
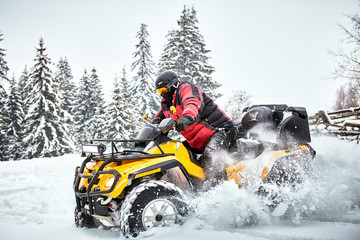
166	125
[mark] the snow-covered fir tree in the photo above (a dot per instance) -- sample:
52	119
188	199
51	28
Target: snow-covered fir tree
67	87
143	93
15	132
96	123
89	116
83	106
83	110
24	92
94	127
170	52
4	123
185	53
120	122
67	94
133	124
45	134
3	64
4	120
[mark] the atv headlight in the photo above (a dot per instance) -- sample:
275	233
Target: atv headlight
109	182
93	148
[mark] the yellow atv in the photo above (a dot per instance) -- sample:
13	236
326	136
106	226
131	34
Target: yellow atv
143	187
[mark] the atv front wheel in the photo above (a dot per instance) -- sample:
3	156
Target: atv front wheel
151	204
83	219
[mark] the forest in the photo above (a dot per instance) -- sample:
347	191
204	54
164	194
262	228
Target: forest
48	113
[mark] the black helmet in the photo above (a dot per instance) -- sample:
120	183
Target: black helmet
168	79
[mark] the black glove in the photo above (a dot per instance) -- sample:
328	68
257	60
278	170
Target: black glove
183	123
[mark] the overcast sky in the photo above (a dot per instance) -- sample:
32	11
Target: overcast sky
276	50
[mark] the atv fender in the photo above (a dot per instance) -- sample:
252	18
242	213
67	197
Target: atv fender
159	167
139	169
182	155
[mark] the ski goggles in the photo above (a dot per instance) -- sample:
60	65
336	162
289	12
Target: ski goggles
162	90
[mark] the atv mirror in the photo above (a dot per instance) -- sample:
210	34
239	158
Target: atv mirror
166	125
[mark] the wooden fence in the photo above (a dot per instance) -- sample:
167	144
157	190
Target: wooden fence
344	123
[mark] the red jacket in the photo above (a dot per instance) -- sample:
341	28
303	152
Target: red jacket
190	101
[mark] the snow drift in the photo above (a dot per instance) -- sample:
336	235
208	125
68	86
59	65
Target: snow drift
37	201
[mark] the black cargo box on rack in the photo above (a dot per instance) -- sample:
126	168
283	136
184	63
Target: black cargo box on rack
291	130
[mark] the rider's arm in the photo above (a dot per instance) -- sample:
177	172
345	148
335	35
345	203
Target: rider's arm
191	101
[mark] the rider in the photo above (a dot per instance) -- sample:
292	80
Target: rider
204	125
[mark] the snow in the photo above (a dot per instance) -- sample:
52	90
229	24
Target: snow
37	202
355	123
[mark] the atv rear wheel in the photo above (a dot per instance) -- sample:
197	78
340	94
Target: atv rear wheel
151	204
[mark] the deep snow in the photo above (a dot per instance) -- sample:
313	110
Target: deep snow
37	202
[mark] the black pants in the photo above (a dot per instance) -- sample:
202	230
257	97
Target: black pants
213	158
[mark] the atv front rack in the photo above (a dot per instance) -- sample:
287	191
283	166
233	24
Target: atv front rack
99	149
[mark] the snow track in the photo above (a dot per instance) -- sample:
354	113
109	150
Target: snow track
37	202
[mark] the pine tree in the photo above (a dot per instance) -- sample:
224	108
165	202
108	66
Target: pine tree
4	120
67	87
97	122
143	93
67	94
186	54
84	109
3	64
94	127
132	123
119	113
170	52
45	134
200	69
89	114
24	92
4	124
15	132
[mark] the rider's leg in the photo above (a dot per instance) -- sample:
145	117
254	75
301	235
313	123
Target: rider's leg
214	155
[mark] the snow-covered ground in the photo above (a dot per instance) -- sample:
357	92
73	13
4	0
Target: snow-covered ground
37	202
